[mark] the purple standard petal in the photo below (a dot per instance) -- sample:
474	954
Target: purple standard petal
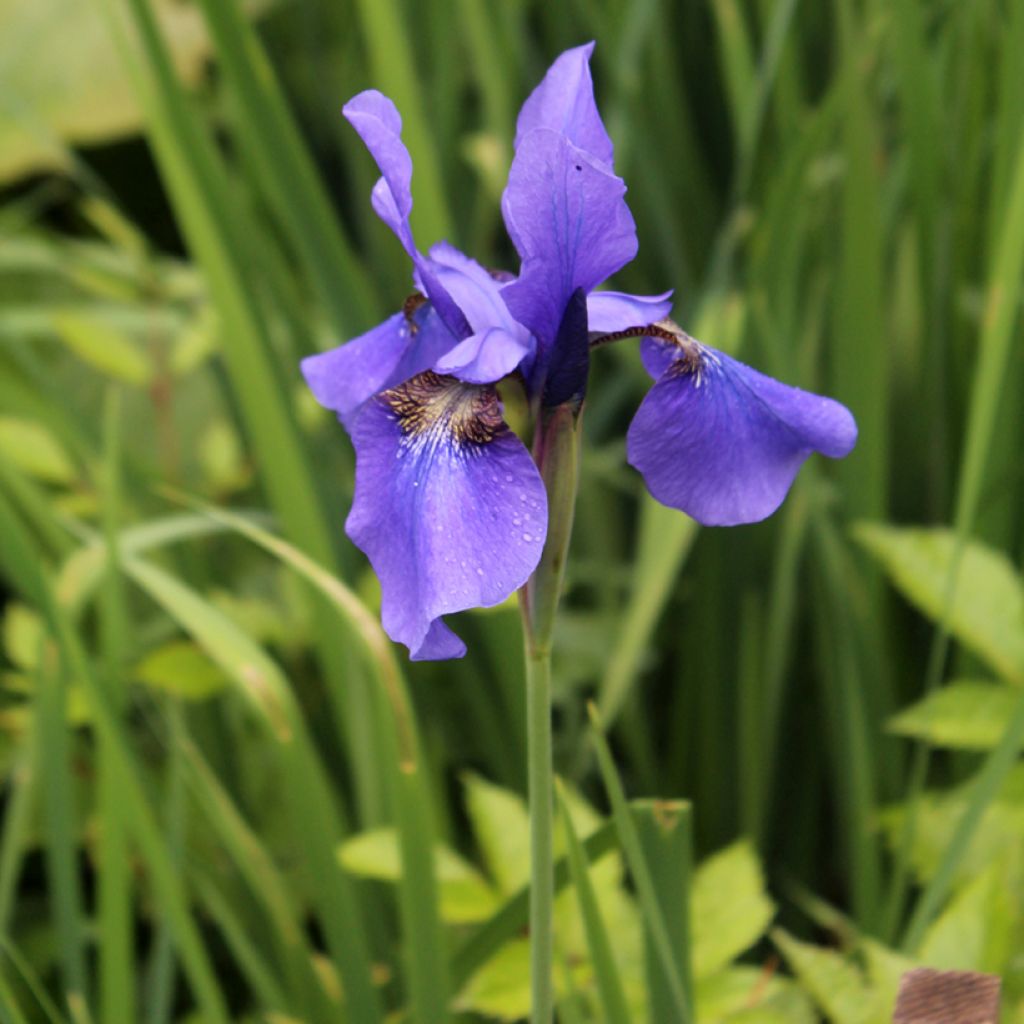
392	352
617	311
376	119
567	217
379	125
723	443
449	507
564	102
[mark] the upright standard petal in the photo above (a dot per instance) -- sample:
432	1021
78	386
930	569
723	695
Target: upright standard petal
564	102
376	119
722	442
567	216
449	507
392	352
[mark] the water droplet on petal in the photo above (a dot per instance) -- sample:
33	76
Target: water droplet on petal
527	537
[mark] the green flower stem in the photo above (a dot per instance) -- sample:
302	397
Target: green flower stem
556	451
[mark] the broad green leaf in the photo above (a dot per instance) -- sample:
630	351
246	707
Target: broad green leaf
885	968
221	457
196	342
752	994
64	81
836	985
501	988
730	909
502	830
104	347
987	613
974	932
183	669
962	716
997	835
23	632
34	450
465	896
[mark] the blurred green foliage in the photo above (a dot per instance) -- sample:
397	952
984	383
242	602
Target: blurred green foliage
226	798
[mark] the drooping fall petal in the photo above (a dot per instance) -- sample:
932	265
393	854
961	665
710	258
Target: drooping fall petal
449	507
722	442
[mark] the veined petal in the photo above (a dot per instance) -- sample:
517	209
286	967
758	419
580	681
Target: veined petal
564	102
617	311
567	217
392	352
376	119
723	443
449	506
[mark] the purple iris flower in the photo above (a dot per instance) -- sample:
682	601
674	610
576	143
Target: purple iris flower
449	505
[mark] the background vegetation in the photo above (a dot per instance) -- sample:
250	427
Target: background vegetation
221	786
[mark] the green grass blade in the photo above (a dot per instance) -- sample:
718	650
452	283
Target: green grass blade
257	868
1001	311
117	968
411	797
210	217
311	796
16	835
15	556
31	981
650	904
665	828
54	771
606	970
393	64
342	284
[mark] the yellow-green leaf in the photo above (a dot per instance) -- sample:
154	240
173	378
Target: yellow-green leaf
730	909
987	613
183	669
104	348
962	716
834	982
65	83
34	450
465	896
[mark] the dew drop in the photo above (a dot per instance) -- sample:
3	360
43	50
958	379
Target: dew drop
527	537
508	478
479	572
517	521
522	496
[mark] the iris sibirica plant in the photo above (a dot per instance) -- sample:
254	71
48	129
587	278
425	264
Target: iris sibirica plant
451	508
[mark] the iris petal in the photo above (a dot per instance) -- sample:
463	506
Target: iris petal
617	311
449	506
484	358
564	102
723	443
567	217
376	119
399	348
